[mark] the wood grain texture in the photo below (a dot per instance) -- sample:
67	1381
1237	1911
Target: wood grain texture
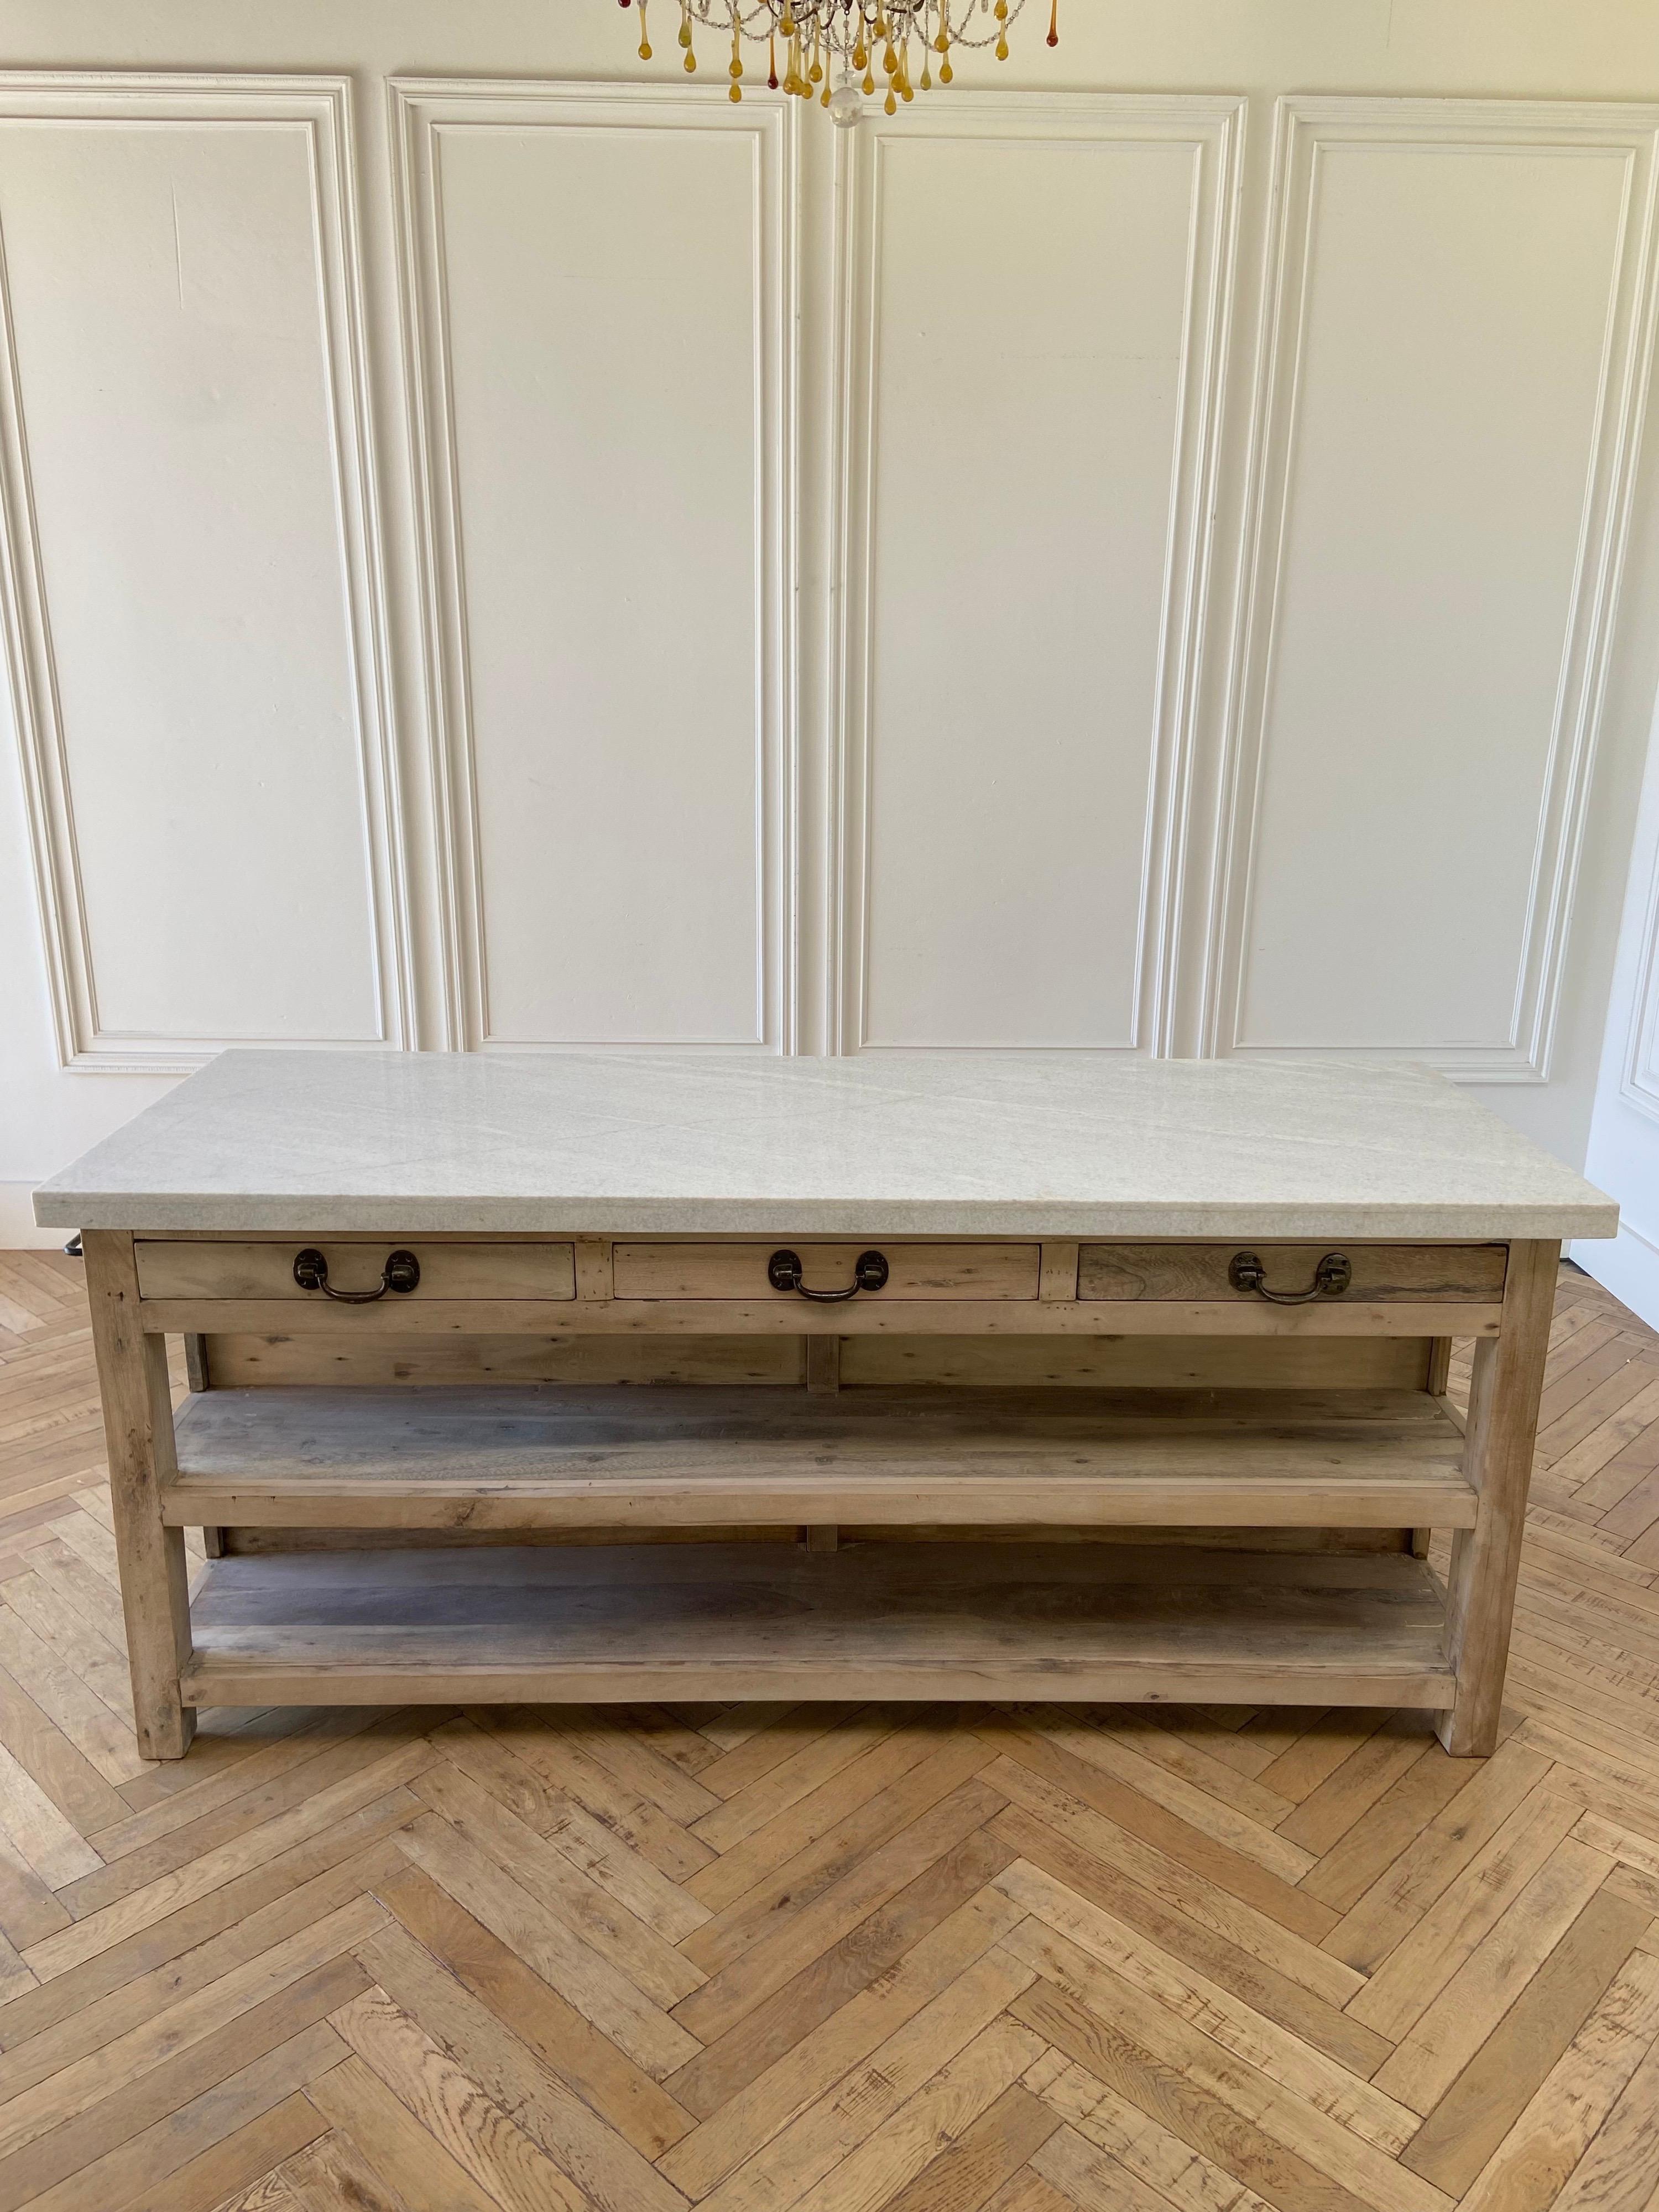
800	1958
1360	1363
596	1623
377	1363
1504	1390
1411	1273
513	1457
777	1314
204	1269
139	1431
738	1271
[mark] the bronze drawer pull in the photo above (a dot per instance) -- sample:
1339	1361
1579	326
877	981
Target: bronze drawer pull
783	1272
1331	1277
402	1272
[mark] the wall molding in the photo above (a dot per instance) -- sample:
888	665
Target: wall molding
18	1231
1210	642
322	107
1627	1264
1213	125
420	108
1303	126
1640	1076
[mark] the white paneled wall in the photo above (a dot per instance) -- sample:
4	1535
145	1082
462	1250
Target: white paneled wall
191	578
605	472
1623	1153
497	555
1457	352
1037	311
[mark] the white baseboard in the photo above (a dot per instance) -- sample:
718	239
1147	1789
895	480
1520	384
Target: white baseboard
17	1230
1628	1266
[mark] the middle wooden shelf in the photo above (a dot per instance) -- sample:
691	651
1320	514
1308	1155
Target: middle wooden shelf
526	1457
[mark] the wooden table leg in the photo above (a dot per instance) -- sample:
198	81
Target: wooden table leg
1439	1367
196	1368
823	1374
1503	1428
132	1376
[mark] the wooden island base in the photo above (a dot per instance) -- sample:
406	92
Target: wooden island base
595	1458
387	1538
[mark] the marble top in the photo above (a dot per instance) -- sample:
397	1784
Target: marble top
891	1142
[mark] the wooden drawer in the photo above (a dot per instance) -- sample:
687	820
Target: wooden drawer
1380	1274
739	1272
266	1270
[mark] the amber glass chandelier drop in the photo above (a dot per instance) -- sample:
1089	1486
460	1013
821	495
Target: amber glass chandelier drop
904	45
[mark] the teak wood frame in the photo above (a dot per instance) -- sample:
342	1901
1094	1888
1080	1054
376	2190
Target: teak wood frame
1511	1341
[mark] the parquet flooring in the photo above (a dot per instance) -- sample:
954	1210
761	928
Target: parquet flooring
825	1960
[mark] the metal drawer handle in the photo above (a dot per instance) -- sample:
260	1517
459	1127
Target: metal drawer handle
402	1272
783	1272
1331	1277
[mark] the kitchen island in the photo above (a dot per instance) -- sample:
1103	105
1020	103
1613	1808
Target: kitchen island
620	1376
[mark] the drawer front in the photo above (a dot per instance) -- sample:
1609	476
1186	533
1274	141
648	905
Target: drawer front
266	1270
1380	1274
739	1272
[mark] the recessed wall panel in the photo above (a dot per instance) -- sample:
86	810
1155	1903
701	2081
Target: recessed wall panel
596	292
1044	285
198	725
1453	382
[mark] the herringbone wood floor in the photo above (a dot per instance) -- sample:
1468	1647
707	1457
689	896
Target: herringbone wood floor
825	1959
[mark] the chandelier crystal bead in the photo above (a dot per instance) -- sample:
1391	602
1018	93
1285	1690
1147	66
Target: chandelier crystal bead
850	39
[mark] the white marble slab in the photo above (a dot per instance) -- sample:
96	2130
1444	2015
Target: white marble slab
889	1144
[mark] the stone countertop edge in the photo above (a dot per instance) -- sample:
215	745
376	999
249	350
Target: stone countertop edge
609	1142
617	1216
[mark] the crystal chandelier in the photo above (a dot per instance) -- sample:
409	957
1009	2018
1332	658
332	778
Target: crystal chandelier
909	42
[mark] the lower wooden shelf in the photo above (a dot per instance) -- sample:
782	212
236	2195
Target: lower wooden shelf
1010	1620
